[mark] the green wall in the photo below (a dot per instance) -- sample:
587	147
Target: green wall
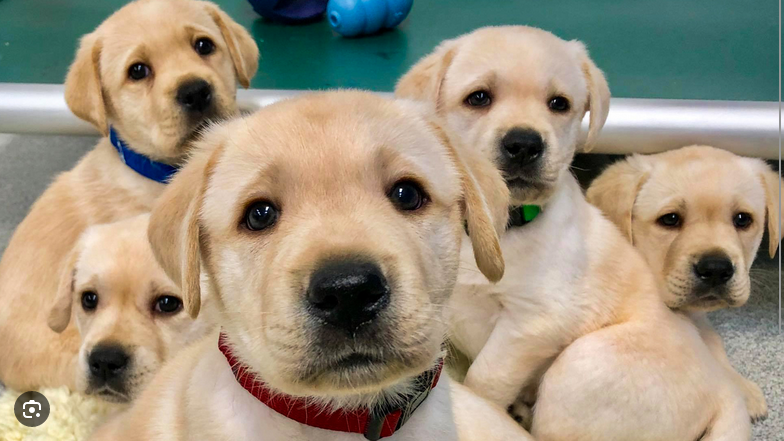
687	49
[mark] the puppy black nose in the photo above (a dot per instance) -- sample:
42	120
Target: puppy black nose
195	95
348	294
522	146
714	269
107	362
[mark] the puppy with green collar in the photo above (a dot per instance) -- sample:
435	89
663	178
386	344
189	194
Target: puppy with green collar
576	325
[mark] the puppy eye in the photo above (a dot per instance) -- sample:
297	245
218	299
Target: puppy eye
670	220
89	300
261	215
479	98
139	71
742	220
407	196
558	104
204	46
167	305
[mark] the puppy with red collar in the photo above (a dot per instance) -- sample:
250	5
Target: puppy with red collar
329	242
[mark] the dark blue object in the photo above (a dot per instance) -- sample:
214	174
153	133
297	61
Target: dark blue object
351	18
290	11
157	171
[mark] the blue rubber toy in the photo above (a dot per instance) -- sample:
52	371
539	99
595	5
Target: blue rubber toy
352	18
290	11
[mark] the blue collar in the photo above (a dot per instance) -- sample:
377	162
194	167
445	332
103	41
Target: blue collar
157	171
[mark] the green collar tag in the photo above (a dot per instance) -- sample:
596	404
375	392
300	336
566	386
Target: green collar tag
521	215
530	212
518	216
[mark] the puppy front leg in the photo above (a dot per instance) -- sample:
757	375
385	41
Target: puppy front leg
507	364
731	422
752	394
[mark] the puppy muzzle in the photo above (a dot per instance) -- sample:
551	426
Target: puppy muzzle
714	282
521	153
109	368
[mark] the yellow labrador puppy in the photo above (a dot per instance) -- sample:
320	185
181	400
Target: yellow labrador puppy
150	76
128	312
697	214
577	319
330	241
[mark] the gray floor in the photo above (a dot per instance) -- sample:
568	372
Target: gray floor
28	164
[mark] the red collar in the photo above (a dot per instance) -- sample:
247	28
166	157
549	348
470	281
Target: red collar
373	423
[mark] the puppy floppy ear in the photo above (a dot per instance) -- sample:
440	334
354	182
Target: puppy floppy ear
598	95
83	91
423	81
772	182
60	314
616	189
175	232
484	219
483	232
242	48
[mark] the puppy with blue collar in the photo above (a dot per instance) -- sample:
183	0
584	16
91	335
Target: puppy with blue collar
148	78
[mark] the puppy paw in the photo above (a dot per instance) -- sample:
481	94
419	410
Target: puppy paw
522	413
755	401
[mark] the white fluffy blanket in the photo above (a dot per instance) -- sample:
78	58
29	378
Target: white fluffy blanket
73	416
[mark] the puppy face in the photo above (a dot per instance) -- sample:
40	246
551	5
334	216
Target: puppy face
698	216
128	312
331	240
517	94
158	70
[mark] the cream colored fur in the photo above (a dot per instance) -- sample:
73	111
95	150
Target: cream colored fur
100	188
576	324
706	187
115	262
330	174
